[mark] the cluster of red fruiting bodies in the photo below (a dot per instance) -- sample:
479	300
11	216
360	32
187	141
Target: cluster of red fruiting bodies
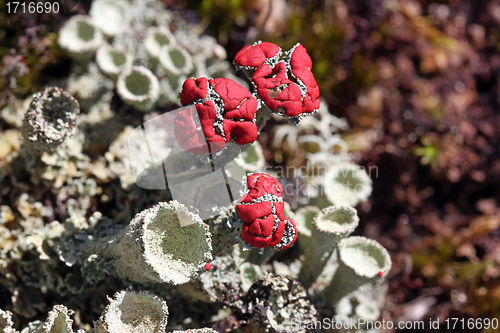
262	211
226	112
288	86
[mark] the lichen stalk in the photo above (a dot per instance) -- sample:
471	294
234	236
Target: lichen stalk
303	218
165	243
226	231
330	226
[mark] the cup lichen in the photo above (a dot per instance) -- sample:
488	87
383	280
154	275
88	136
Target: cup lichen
111	16
139	87
113	61
361	261
347	184
156	38
176	62
328	227
165	243
133	312
50	119
64	244
80	37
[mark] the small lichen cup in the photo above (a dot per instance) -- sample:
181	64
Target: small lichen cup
111	16
328	227
156	38
133	312
80	38
251	158
50	119
347	184
138	87
112	61
249	273
176	62
361	261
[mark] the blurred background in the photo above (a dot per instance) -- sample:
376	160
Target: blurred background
418	82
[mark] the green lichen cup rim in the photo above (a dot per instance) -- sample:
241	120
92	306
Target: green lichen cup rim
337	220
366	257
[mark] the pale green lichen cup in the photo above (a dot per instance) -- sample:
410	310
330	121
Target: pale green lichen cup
361	261
156	38
176	62
139	87
133	312
347	184
303	218
111	16
113	61
80	38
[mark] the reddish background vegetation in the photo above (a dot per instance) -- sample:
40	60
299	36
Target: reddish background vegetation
418	82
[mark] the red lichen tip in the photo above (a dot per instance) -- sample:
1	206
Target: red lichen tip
287	87
261	209
257	54
193	90
380	273
208	266
226	112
